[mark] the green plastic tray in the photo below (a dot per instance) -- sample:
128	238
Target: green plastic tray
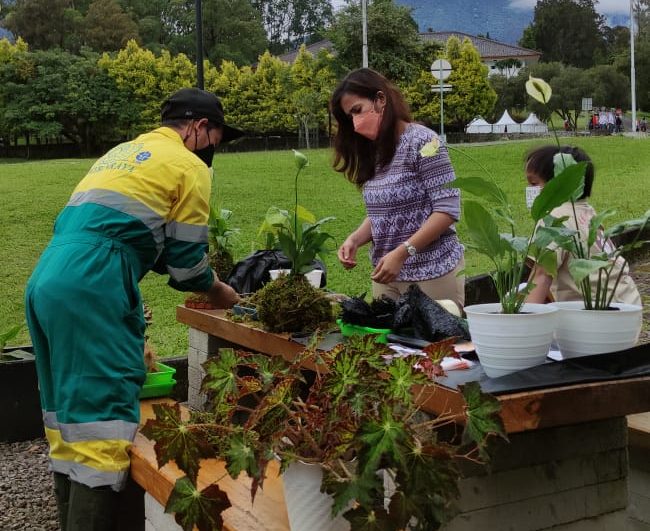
159	383
356	330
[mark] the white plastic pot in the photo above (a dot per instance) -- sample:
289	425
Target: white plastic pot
314	276
308	508
583	332
507	343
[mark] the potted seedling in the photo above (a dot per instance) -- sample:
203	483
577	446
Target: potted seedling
290	303
595	324
510	335
354	424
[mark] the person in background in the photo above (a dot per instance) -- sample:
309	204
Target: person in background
402	169
539	167
142	206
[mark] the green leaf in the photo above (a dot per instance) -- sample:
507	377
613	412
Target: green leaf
559	190
383	437
362	518
357	488
9	335
240	457
200	508
174	441
220	375
595	225
482	230
402	379
561	161
581	268
482	188
482	412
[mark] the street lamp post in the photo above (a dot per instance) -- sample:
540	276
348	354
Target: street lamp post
199	46
632	69
364	34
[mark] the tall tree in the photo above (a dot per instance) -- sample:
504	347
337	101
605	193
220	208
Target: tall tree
46	24
232	31
394	45
107	27
290	22
569	31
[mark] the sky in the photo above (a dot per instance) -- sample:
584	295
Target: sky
609	7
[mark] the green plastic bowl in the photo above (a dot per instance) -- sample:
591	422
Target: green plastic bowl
356	330
159	383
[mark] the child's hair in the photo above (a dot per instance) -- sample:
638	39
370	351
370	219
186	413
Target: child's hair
354	155
540	162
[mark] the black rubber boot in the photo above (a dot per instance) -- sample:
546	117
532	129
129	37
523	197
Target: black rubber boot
62	494
91	509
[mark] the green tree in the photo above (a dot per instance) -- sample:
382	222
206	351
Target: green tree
471	93
46	24
608	87
569	31
107	27
511	94
232	31
289	22
394	45
48	94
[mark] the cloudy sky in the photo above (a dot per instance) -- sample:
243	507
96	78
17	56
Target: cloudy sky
611	7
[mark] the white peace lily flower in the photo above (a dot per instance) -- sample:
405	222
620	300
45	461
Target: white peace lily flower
561	161
431	148
538	89
301	160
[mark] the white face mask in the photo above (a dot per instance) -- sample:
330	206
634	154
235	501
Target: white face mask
531	193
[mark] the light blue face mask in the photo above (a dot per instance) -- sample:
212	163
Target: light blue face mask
531	193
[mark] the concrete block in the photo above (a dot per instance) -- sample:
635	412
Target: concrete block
195	399
203	342
157	517
148	526
196	358
616	521
639	495
552	444
195	377
545	479
535	514
635	525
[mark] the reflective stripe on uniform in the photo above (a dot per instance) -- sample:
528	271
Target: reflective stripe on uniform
183	274
187	232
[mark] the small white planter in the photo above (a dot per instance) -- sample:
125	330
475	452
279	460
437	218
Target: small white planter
309	509
314	276
507	343
583	332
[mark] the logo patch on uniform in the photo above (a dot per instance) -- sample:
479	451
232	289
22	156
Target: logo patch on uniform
142	156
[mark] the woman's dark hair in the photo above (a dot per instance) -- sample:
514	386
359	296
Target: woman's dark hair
355	155
540	162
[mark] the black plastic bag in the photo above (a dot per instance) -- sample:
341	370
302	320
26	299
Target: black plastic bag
428	319
378	314
251	273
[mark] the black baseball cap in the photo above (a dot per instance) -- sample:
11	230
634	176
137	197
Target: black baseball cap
194	104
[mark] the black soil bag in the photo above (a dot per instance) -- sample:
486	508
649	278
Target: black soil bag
251	273
428	319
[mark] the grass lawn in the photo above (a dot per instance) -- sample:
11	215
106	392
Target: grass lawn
34	192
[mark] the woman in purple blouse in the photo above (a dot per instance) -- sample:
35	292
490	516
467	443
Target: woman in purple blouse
401	169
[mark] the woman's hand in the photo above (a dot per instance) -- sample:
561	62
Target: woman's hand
347	253
389	266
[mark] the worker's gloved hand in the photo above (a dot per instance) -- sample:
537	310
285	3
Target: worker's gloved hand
222	295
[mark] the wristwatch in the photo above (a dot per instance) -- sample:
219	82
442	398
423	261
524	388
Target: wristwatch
410	249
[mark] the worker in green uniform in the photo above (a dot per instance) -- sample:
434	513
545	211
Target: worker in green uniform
142	206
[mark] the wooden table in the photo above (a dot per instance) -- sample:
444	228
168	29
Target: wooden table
565	464
268	513
521	411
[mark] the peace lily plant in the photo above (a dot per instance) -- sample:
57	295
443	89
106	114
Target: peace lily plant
584	260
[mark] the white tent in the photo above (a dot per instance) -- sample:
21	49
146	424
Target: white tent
532	124
506	125
478	125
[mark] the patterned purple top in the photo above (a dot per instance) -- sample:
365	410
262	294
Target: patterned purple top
401	197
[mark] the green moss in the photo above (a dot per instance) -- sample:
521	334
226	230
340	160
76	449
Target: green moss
291	304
